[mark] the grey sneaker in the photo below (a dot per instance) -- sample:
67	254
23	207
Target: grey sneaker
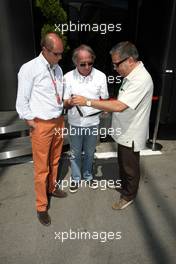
122	204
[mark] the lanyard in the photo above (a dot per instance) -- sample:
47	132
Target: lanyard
54	83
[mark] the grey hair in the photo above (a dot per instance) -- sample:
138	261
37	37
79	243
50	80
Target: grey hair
78	49
125	49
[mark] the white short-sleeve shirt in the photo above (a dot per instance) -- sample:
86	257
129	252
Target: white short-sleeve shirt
92	86
136	92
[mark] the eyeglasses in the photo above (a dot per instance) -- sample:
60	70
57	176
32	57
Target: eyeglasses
54	53
116	65
85	63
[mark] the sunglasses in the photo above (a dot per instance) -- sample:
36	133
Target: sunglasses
116	65
54	53
85	63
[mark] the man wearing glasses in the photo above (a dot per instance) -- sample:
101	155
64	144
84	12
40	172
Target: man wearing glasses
39	102
90	82
131	115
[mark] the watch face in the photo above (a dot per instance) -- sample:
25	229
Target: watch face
88	103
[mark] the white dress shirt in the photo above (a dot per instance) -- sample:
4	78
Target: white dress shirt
92	86
36	92
136	92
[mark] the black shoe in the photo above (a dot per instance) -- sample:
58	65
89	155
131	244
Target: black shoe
59	193
44	218
73	186
93	184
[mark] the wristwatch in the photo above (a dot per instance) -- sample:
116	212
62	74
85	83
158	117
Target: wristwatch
88	103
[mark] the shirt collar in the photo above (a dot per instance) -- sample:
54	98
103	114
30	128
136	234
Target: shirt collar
134	71
45	62
82	77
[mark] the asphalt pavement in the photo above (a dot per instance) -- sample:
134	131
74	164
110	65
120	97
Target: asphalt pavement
84	227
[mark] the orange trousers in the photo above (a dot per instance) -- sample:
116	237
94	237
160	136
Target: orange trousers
47	142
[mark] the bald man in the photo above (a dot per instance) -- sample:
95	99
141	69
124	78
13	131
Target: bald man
39	102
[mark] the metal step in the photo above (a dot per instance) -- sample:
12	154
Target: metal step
10	122
12	146
15	147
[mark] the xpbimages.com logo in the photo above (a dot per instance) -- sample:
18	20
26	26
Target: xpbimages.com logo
101	184
79	234
85	27
72	131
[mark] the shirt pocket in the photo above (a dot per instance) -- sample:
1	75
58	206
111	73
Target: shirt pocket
94	90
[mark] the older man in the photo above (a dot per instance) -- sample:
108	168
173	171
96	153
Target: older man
84	121
39	102
133	110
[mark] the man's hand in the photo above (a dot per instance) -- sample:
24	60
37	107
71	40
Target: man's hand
79	100
31	123
68	103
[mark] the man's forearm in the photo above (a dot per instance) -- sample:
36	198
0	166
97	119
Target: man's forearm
106	105
109	106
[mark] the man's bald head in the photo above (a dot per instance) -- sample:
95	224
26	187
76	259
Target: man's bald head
52	48
50	40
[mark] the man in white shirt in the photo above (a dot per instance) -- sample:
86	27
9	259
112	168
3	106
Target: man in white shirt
90	82
132	111
39	102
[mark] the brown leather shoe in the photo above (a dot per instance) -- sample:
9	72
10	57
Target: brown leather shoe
122	204
44	218
59	193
